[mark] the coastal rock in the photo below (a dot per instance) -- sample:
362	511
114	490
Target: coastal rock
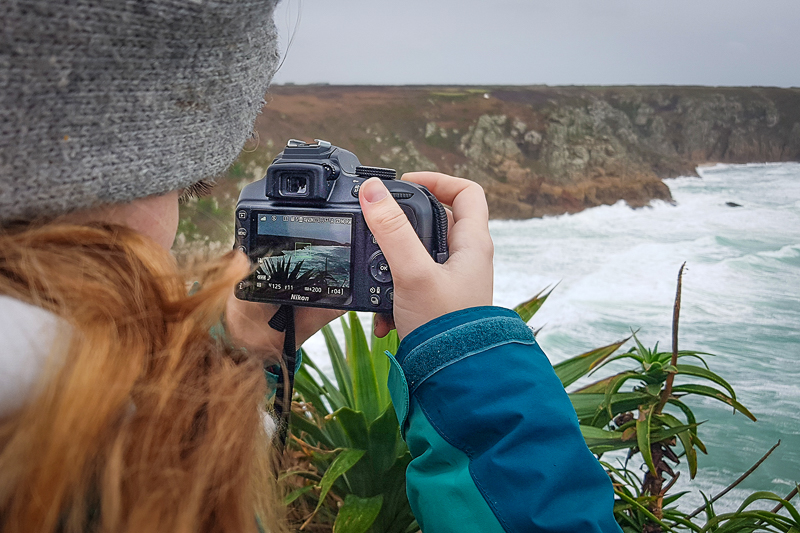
793	145
544	150
532	138
488	143
518	129
430	129
406	159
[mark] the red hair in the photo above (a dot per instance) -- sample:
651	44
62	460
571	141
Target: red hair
147	423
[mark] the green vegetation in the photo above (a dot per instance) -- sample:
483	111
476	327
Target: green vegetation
346	441
207	218
460	92
347	472
451	96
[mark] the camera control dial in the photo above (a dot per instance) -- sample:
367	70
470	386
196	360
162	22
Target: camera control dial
379	268
376	172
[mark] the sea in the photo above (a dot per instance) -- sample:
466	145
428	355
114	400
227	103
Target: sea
613	270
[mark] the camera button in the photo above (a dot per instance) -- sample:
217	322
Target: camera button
242	214
355	190
390	296
241	232
375	300
243	249
379	268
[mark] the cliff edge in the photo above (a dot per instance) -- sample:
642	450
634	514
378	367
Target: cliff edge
538	150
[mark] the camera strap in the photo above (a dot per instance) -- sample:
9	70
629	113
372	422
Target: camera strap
283	320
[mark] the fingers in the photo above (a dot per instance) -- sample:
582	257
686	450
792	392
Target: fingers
248	326
425	290
450	219
469	220
383	324
466	197
391	228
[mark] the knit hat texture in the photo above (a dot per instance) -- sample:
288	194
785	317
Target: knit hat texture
105	101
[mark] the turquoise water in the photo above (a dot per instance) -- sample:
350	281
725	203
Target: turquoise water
616	269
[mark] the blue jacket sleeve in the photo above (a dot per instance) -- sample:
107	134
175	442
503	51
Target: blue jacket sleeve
494	438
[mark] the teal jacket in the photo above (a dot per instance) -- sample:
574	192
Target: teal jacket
494	437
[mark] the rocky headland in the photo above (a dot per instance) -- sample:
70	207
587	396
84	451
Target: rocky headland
536	150
539	150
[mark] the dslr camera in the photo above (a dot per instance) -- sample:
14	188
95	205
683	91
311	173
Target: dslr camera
302	227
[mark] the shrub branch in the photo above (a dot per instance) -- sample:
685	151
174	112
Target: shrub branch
733	485
676	313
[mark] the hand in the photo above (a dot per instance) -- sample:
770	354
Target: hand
248	326
424	289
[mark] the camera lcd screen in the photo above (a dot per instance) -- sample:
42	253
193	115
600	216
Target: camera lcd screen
303	258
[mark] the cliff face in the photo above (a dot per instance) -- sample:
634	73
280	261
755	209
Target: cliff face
538	150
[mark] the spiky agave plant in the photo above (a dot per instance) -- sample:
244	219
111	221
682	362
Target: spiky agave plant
351	459
346	445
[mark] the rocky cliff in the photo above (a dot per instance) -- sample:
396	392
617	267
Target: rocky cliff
536	150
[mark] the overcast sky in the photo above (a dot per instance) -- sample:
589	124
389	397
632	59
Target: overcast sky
554	42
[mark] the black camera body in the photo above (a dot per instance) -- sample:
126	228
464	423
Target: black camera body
302	225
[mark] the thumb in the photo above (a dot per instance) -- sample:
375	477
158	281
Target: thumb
387	221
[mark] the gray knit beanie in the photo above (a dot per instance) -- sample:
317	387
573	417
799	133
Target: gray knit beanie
107	101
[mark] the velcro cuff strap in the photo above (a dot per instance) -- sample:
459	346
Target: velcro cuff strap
460	342
398	389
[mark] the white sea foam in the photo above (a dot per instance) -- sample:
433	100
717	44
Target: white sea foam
786	252
617	269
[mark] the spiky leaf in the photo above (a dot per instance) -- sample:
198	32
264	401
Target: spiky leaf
340	369
573	369
643	437
343	462
357	514
527	309
365	384
711	392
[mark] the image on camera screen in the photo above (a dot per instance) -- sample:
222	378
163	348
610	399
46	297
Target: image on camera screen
303	258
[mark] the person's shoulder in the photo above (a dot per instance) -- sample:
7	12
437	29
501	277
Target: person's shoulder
28	336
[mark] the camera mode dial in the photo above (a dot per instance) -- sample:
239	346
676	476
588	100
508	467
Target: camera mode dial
376	172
